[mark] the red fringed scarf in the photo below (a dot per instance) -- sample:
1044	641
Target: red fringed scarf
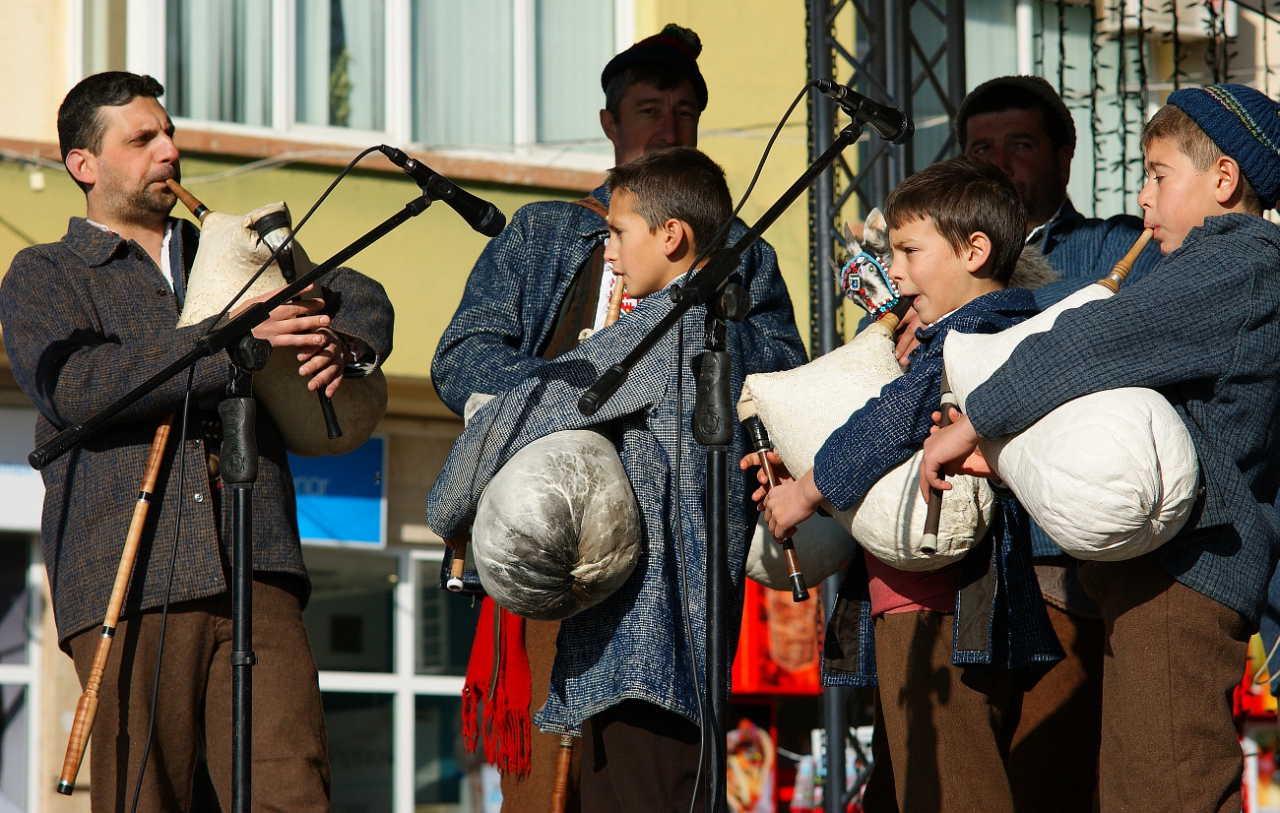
503	686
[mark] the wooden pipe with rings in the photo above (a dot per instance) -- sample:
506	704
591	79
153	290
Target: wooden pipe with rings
87	708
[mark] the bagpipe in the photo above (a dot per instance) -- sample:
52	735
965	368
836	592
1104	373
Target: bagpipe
803	406
232	249
557	529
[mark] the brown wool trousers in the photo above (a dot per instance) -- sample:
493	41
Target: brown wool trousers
1053	763
947	728
1173	657
290	764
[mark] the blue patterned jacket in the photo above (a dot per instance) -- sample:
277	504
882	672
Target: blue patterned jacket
509	306
85	320
1203	329
633	645
1000	615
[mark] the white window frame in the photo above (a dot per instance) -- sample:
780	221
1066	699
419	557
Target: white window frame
402	682
145	53
29	676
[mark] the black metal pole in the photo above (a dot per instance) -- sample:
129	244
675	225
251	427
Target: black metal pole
238	466
713	427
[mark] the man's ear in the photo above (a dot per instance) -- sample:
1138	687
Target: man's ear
1227	189
1065	154
83	166
609	126
976	252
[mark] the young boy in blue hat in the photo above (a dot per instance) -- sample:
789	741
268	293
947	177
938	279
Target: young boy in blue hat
1203	329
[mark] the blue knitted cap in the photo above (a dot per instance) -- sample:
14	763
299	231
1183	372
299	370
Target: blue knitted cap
1245	124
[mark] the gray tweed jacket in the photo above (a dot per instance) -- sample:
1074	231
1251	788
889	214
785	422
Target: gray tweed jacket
85	320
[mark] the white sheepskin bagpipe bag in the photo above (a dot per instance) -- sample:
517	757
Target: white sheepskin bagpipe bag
230	253
557	529
800	408
1107	476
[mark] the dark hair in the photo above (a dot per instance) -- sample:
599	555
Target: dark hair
80	125
1172	124
963	196
680	183
1019	93
663	77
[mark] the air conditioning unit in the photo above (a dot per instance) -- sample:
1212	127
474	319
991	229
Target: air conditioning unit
1195	17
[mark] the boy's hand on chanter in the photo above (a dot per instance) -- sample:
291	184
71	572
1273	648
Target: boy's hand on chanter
951	449
779	470
791	503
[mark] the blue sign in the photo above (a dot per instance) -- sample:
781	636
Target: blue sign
343	500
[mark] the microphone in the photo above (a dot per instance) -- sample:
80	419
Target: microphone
481	215
890	123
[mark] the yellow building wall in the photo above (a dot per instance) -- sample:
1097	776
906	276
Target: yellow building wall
753	58
33	60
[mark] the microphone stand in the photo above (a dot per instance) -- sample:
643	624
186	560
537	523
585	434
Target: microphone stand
713	427
239	469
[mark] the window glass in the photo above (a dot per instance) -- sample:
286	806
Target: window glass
218	60
574	43
104	30
15	598
15	601
340	63
443	772
359	728
349	617
13	748
446	625
462	72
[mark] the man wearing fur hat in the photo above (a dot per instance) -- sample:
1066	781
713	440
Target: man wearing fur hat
534	291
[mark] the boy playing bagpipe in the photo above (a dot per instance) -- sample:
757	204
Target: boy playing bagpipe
624	670
1203	329
951	648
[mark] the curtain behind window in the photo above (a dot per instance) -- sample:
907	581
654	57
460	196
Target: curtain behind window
574	42
218	60
462	72
341	72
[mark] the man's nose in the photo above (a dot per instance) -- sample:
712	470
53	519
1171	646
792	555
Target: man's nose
1001	159
667	127
166	150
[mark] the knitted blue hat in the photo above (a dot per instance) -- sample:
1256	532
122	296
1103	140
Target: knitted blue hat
1245	124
